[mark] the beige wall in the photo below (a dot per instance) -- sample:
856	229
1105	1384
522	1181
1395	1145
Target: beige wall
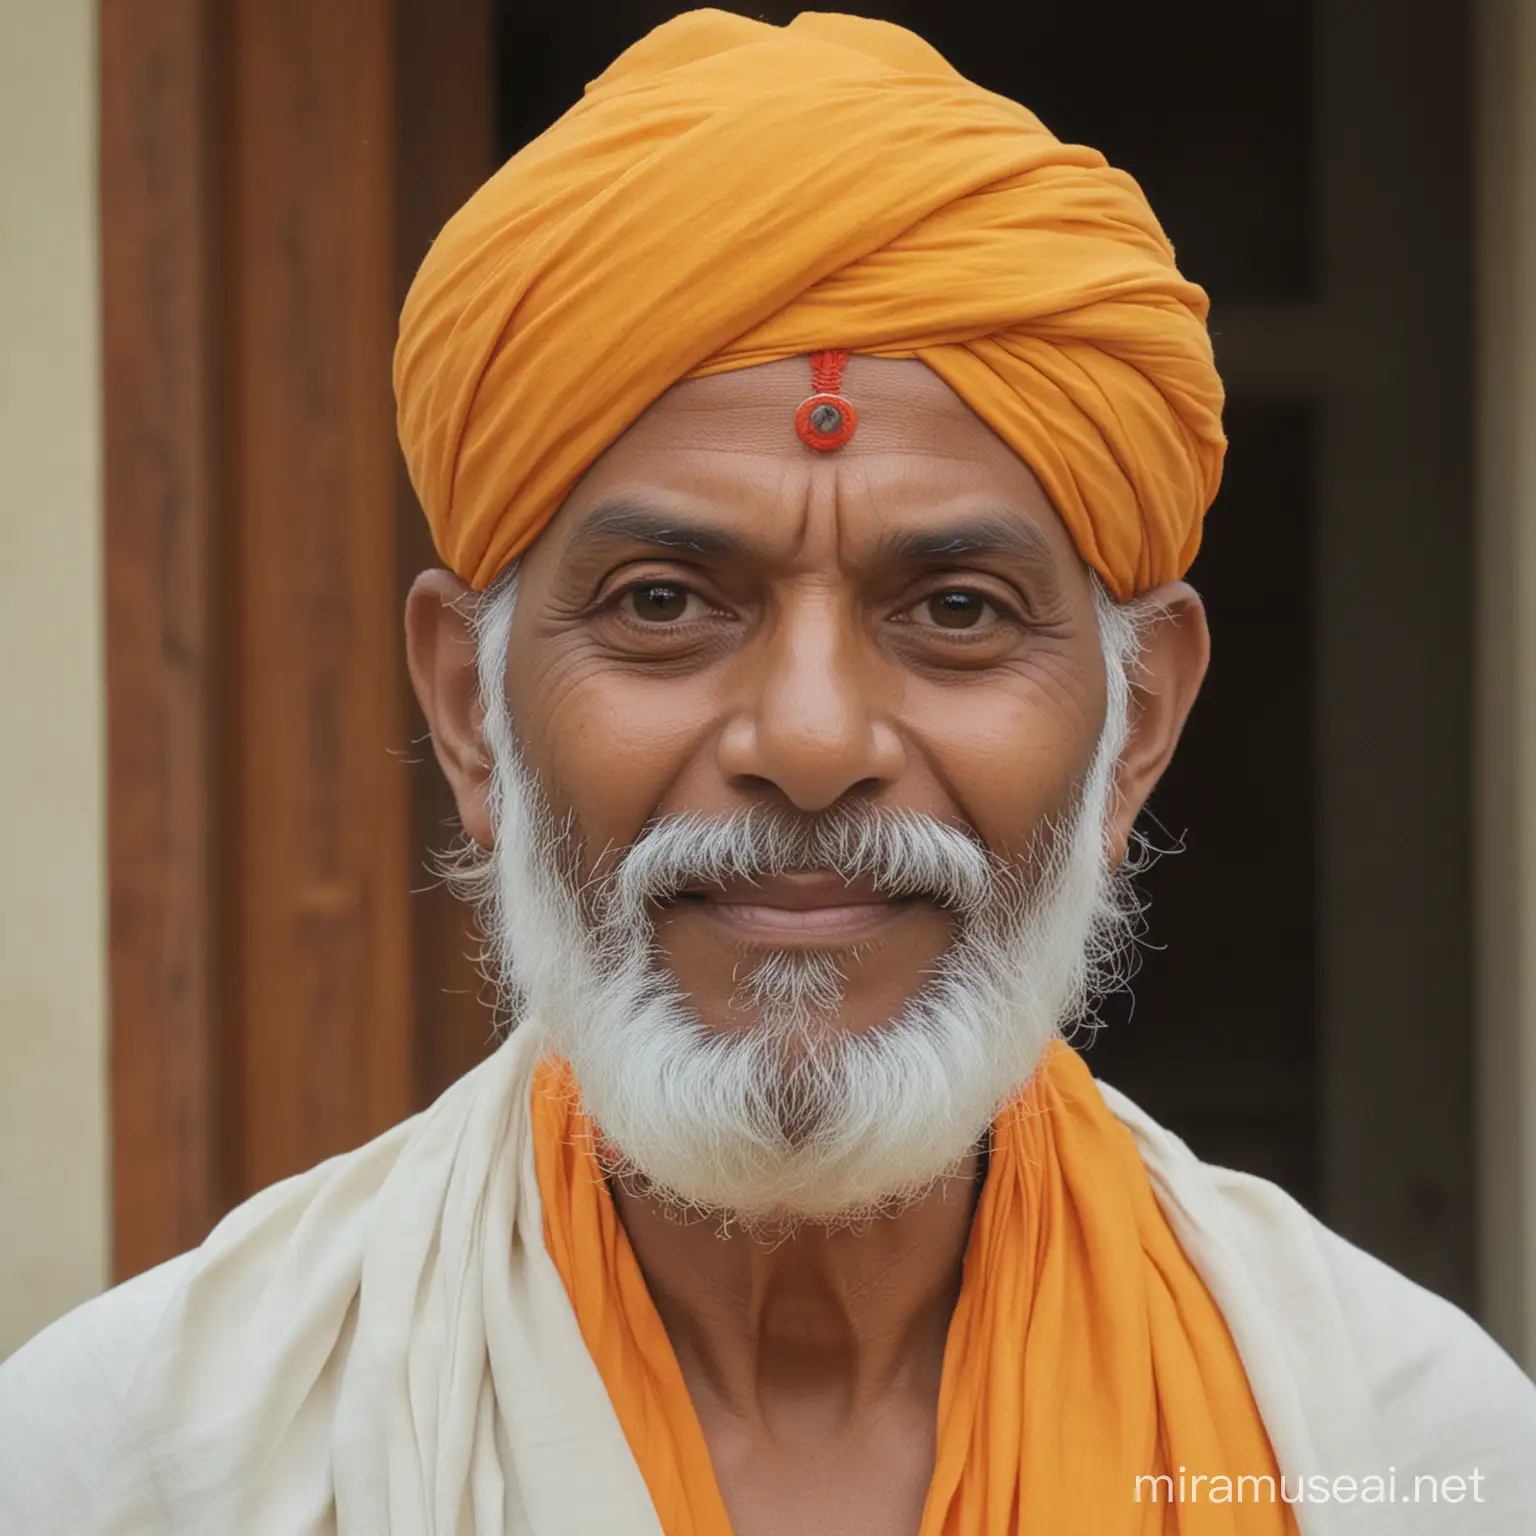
53	1177
1506	412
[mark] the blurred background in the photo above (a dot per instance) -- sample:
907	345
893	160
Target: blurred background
221	955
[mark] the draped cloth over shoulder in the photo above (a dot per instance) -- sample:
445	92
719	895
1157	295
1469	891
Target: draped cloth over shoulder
388	1346
730	193
1086	1359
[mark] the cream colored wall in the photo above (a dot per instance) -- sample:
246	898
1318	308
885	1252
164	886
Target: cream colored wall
1506	809
53	1170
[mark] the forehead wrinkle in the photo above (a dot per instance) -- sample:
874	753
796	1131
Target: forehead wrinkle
752	409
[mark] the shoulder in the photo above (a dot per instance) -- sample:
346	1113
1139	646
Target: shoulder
1356	1369
154	1401
62	1395
81	1403
1430	1367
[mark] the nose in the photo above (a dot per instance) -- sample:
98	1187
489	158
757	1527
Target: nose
809	724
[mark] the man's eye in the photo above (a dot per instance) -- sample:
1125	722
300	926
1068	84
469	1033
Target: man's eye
955	610
658	602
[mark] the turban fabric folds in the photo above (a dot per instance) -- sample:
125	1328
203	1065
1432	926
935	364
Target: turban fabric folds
730	193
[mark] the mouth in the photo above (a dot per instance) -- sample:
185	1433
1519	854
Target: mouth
799	911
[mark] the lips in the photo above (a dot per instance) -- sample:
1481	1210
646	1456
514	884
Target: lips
811	908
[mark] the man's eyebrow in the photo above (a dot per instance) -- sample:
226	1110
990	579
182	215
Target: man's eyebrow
1002	534
630	521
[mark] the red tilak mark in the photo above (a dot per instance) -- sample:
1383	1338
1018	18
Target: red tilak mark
826	420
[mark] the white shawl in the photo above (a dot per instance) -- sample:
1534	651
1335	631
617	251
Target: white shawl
382	1347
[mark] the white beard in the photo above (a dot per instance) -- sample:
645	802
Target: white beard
793	1118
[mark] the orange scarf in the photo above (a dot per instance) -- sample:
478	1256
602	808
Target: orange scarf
1080	1320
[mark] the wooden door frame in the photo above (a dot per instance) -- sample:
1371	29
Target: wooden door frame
161	144
1505	786
270	172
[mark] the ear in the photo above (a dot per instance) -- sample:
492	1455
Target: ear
1176	648
440	651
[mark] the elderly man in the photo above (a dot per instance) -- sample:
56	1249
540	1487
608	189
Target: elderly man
816	445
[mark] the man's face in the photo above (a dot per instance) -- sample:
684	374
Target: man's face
719	620
809	774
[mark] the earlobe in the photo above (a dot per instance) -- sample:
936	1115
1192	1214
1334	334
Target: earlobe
1176	648
441	653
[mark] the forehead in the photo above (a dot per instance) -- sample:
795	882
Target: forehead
726	446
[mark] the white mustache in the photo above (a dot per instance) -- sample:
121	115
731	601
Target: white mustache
901	853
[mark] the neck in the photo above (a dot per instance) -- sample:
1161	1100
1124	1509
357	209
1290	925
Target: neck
842	1318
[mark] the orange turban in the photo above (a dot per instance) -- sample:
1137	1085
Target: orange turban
730	193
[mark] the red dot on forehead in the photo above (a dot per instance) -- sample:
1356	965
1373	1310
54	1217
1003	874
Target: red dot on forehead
826	420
